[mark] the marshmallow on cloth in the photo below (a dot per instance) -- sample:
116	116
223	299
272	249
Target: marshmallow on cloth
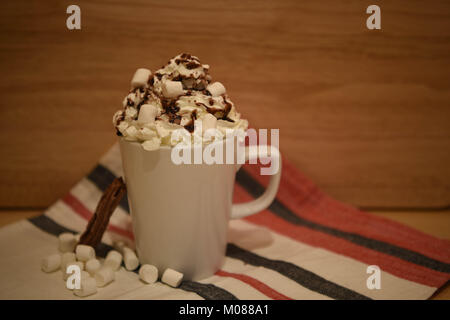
129	256
67	242
172	89
51	263
148	273
147	114
113	260
84	252
92	266
216	89
140	78
88	286
104	276
172	278
130	259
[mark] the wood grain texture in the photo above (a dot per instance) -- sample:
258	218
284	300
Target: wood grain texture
365	114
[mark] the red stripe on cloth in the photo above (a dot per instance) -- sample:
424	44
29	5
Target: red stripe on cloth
391	264
84	212
258	285
303	198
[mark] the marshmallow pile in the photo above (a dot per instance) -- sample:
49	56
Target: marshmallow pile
180	95
95	273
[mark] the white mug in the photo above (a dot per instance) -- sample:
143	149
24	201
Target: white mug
180	213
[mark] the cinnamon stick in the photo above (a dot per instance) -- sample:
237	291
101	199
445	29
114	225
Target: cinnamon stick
106	206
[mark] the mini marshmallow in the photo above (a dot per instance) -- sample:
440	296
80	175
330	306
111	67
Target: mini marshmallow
130	259
146	134
147	114
151	144
67	242
67	258
140	78
66	275
130	133
172	89
84	252
216	89
209	122
172	278
122	127
113	260
88	286
104	276
92	266
51	263
148	273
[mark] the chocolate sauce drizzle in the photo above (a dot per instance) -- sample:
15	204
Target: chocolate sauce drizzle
190	83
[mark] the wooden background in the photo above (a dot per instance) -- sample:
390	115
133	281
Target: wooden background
365	114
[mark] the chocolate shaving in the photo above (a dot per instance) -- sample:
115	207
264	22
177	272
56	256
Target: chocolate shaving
170	108
190	126
192	65
228	119
186	56
105	208
227	107
130	102
175	118
218	113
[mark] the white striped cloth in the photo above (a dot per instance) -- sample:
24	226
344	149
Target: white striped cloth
305	246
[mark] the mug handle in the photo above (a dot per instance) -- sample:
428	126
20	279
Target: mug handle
242	210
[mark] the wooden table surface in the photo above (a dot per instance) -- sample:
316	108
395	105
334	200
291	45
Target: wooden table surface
436	223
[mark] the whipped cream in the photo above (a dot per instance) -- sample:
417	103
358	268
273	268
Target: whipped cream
179	97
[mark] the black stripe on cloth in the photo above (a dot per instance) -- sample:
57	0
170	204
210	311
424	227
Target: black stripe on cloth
302	276
255	189
206	291
50	226
102	178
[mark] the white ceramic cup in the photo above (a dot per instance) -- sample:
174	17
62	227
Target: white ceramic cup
180	213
